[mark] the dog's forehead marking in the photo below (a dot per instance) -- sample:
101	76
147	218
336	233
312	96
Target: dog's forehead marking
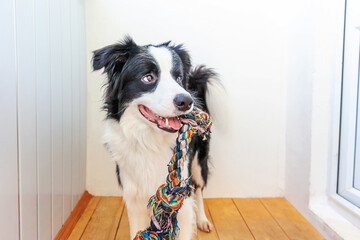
163	57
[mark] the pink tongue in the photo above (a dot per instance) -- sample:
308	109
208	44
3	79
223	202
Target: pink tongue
173	123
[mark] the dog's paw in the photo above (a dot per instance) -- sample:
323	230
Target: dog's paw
204	225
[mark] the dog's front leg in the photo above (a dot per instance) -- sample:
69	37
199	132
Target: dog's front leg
186	220
138	214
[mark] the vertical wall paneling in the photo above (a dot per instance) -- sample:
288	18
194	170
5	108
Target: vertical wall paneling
75	102
43	103
67	107
83	91
25	47
9	228
56	115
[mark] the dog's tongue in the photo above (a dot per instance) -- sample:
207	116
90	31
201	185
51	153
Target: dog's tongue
171	124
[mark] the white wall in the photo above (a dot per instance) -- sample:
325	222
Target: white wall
312	113
245	42
43	115
300	59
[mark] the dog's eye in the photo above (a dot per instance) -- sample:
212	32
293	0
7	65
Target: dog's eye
149	78
179	79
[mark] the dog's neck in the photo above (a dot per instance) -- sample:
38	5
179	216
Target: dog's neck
140	148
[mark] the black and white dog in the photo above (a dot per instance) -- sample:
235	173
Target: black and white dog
148	87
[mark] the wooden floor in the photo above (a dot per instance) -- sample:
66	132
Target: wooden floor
265	218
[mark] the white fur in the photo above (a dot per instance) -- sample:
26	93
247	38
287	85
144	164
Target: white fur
218	102
161	101
142	151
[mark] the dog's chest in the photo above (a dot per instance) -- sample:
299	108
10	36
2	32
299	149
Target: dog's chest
142	154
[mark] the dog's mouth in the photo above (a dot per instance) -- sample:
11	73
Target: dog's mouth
169	124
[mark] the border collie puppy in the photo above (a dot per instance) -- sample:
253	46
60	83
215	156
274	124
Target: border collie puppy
148	87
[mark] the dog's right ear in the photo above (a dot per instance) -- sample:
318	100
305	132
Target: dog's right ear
113	57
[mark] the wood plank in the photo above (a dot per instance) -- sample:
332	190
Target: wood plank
84	219
258	219
204	235
118	215
70	223
104	219
123	231
228	221
290	220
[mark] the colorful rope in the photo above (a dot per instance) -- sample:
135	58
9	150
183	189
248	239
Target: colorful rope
170	196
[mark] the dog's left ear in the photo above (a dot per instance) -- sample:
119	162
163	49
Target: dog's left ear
113	57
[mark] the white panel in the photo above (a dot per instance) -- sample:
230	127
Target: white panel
9	221
356	180
56	115
349	104
43	92
25	41
82	47
354	12
75	103
67	110
43	139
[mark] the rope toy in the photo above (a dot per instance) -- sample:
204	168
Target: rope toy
170	196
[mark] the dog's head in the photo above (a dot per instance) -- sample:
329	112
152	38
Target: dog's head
151	78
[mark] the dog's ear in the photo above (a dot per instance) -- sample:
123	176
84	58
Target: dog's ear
113	57
185	58
164	44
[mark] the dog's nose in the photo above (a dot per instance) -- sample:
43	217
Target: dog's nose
183	102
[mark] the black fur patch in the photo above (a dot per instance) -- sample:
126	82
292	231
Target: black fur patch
200	147
118	174
197	84
125	64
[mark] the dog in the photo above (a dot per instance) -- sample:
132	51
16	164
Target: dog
147	88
